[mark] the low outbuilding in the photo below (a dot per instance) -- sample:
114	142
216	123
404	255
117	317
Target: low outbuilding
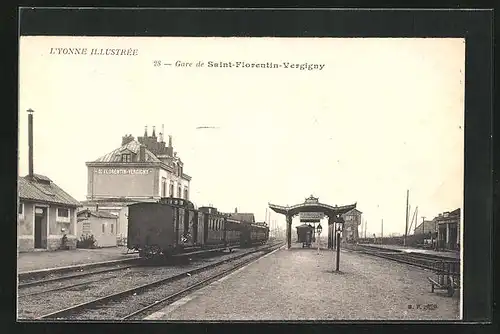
100	224
46	215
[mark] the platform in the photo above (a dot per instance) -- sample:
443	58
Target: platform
299	284
445	254
29	261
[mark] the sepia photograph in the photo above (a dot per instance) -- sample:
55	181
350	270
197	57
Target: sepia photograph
240	178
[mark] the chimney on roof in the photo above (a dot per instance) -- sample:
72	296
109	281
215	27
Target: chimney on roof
170	149
30	141
146	132
154	133
235	210
162	132
142	153
127	139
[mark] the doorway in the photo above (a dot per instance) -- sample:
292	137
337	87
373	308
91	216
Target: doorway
40	228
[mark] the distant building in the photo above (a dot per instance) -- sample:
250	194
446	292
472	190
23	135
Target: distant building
448	228
427	227
142	170
352	220
244	217
45	214
100	224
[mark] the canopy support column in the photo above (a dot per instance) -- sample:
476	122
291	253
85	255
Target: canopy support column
289	231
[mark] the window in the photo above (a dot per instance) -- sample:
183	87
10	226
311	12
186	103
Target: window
179	192
62	215
185	193
126	157
103	228
20	209
62	212
171	189
163	187
112	226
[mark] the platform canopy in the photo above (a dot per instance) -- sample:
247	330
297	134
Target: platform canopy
312	204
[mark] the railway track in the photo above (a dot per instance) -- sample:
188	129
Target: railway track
426	261
32	283
100	304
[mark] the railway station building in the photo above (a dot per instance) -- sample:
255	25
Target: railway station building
139	170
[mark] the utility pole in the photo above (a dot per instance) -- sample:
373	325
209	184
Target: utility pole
406	226
423	228
382	232
366	225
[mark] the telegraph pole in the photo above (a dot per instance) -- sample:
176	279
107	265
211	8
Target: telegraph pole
382	232
406	226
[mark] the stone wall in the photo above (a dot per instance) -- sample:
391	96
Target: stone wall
55	241
25	244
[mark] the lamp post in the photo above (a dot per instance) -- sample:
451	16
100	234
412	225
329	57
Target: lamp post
318	230
339	226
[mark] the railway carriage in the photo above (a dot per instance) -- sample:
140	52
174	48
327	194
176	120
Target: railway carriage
214	223
233	233
174	225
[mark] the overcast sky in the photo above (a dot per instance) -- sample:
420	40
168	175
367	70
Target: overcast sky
381	117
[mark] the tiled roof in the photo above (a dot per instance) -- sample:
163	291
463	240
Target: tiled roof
134	147
245	217
42	189
98	214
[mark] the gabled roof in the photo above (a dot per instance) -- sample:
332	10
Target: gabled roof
42	189
98	214
244	217
353	211
134	147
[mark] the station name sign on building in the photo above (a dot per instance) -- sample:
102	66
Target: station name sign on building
123	171
311	217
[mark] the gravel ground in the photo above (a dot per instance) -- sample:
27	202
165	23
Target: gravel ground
51	259
298	284
37	305
123	307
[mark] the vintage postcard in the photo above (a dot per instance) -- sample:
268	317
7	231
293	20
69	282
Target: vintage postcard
183	178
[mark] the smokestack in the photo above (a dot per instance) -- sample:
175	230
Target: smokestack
169	141
235	210
162	131
30	141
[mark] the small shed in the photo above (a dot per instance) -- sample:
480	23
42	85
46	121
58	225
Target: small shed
101	224
305	233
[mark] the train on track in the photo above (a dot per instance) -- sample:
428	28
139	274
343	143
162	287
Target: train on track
175	226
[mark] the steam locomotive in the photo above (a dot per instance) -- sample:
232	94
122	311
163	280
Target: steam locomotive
174	226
